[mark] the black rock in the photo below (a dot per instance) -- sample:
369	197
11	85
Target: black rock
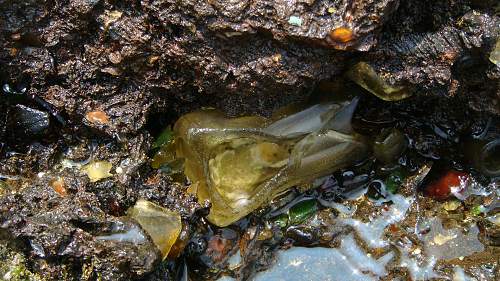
25	122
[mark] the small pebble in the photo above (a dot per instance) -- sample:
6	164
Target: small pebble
98	170
294	20
115	57
277	57
111	70
97	117
58	186
15	36
341	35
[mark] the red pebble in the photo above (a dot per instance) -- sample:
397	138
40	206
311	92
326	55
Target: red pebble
441	189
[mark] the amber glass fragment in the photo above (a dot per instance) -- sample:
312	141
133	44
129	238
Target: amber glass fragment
162	225
240	164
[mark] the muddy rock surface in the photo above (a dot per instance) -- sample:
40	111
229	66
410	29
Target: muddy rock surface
133	59
83	81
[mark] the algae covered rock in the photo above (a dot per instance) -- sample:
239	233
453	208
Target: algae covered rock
13	266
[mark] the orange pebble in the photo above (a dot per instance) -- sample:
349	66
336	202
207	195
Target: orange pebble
393	228
341	34
58	186
97	117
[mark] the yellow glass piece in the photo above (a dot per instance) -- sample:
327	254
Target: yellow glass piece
244	167
365	76
162	225
97	170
